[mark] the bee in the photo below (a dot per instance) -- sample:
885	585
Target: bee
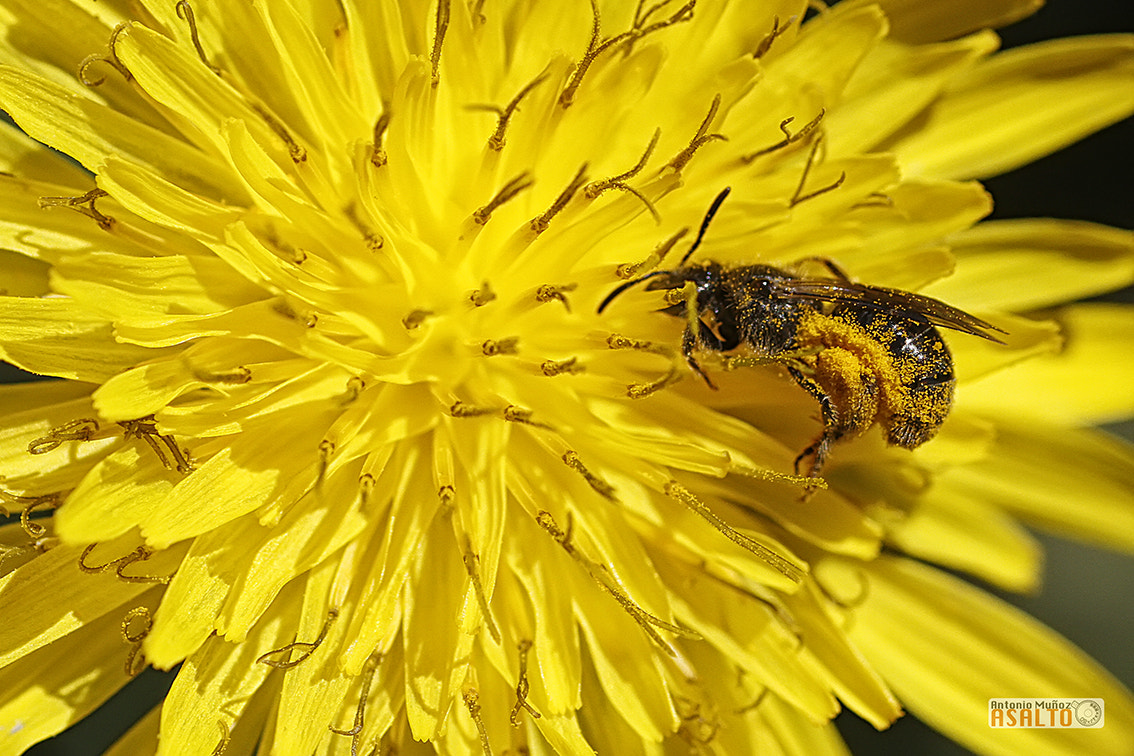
868	354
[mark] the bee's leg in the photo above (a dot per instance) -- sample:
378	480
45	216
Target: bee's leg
688	345
821	447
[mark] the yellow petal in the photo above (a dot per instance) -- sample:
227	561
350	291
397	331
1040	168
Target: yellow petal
1021	105
1020	265
1072	481
1088	382
947	647
917	22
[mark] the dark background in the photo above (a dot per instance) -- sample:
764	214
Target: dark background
1087	592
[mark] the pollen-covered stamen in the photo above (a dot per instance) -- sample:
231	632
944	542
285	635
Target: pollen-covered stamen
440	26
145	428
600	574
482	296
306	648
374	240
642	390
540	224
595	188
635	33
472	703
789	137
507	192
295	150
84	205
111	59
82	429
378	157
460	409
28	505
680	493
355	732
135	660
600	486
699	140
140	554
185	13
514	414
775	477
523	686
766	43
626	271
552	368
493	348
472	561
618	341
551	293
799	196
504	115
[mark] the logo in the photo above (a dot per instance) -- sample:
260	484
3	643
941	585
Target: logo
1028	713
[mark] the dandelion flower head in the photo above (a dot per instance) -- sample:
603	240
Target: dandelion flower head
342	433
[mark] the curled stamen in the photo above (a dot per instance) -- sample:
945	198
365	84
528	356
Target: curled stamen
678	492
355	732
799	196
492	348
441	24
595	188
471	561
630	270
496	141
699	140
135	660
789	137
140	554
185	13
82	429
507	192
600	486
84	205
378	155
111	59
145	428
306	648
540	224
472	703
523	686
755	704
482	296
226	735
549	293
28	505
295	150
552	368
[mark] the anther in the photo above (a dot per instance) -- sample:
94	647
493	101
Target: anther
549	293
523	686
295	150
84	205
472	703
472	562
415	318
600	486
552	368
185	12
75	430
618	341
514	414
111	59
460	409
145	428
789	137
306	648
642	390
492	348
507	192
799	196
766	43
540	224
441	24
482	296
699	140
378	155
595	188
627	271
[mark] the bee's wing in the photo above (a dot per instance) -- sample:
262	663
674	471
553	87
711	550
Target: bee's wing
845	292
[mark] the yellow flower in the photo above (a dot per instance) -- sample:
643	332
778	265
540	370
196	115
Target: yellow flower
343	434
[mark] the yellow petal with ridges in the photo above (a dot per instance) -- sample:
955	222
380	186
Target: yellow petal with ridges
1021	105
947	647
915	21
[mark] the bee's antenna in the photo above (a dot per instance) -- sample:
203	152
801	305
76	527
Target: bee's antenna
705	223
623	287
